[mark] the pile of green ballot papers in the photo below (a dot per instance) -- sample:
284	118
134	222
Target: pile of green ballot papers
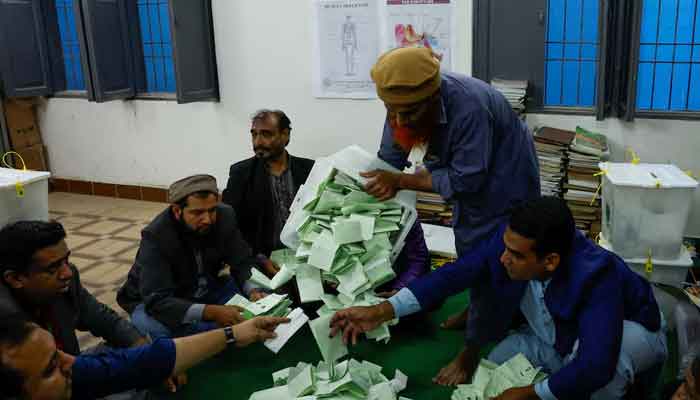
348	236
490	380
348	380
273	305
346	240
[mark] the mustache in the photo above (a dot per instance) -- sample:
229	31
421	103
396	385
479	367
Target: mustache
260	148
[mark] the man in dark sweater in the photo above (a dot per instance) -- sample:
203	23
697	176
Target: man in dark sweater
191	261
261	189
38	282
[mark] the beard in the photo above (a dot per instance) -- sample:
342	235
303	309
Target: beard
407	137
267	153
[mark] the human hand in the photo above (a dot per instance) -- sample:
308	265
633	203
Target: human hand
256	329
360	319
175	382
270	268
223	315
382	184
257	294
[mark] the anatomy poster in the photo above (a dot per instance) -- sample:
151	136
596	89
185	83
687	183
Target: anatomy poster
346	46
421	23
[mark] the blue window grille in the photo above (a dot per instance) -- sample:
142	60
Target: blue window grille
71	47
571	53
157	45
669	56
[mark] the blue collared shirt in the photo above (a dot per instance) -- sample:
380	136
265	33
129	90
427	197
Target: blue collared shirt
119	370
481	157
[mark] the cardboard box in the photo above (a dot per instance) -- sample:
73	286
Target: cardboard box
34	158
22	124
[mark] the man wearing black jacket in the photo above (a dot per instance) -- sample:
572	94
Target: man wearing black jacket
261	189
192	259
38	282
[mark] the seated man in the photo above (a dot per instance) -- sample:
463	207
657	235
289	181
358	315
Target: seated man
38	282
261	189
179	283
592	323
32	367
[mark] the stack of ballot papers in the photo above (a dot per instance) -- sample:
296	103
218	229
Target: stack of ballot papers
346	239
272	305
348	380
490	380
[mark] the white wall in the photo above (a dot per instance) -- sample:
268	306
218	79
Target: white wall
264	58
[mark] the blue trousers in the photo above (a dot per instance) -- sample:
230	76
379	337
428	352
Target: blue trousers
640	351
150	326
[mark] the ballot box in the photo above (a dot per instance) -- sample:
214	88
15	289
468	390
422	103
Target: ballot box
24	195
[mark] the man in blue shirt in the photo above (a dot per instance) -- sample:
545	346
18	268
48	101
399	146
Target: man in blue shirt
591	322
32	367
480	157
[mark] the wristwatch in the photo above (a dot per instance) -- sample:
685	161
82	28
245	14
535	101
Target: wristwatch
230	337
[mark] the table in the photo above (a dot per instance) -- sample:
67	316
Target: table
418	351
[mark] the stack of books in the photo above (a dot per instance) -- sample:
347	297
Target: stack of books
514	91
581	188
552	145
433	209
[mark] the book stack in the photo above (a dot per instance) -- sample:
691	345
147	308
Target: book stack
514	91
586	151
552	145
433	209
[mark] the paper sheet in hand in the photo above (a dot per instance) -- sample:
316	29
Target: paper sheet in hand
332	348
265	304
286	331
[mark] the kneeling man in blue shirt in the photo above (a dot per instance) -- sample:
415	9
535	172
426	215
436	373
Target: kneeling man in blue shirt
591	322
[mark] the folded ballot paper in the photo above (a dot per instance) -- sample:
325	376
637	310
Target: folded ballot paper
273	305
348	380
490	380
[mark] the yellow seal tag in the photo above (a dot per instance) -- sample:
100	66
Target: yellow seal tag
649	266
19	188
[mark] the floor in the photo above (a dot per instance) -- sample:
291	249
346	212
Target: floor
103	235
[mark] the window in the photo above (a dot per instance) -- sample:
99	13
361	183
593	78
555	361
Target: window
553	44
111	49
157	45
571	53
622	58
669	56
70	45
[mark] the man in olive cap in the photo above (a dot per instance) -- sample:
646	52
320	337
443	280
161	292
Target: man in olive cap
191	261
479	156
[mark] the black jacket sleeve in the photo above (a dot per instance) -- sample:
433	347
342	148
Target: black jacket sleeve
102	321
157	285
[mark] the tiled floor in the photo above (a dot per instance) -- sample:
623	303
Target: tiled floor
103	235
